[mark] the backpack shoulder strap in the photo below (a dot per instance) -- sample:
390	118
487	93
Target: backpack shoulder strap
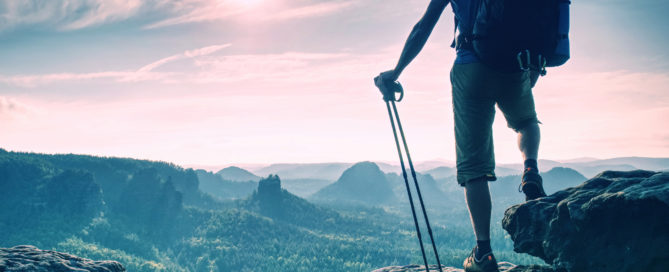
465	38
455	31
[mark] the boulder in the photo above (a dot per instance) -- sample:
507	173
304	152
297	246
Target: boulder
617	221
503	266
417	268
30	258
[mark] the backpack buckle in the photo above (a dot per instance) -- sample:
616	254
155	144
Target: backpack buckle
525	64
541	65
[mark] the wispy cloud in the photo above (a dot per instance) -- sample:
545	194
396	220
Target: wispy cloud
10	107
144	73
198	11
189	54
312	10
203	67
30	81
7	105
68	14
102	11
205	11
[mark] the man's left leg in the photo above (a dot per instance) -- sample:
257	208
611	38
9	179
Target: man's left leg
474	111
479	204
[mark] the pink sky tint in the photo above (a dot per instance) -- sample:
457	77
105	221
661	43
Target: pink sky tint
303	107
300	90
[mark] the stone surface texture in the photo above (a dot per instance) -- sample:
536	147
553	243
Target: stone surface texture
503	267
30	258
616	221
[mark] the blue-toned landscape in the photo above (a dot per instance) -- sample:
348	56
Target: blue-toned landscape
157	216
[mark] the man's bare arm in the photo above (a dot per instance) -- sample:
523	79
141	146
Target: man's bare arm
418	37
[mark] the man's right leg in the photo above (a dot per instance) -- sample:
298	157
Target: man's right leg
528	141
517	104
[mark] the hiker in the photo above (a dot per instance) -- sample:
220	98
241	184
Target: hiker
476	88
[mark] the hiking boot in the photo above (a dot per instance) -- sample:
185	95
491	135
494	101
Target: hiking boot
532	185
486	264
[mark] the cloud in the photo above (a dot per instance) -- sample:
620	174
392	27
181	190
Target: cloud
198	11
205	50
102	11
30	81
68	14
187	54
206	11
293	67
312	10
9	107
7	104
145	73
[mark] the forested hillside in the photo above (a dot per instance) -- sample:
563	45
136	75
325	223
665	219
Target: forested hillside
151	216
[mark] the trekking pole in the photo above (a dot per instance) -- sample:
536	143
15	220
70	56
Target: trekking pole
406	182
415	181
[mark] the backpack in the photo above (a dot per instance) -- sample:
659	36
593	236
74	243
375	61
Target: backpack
518	35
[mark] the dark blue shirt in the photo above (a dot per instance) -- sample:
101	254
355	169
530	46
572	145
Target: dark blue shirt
464	13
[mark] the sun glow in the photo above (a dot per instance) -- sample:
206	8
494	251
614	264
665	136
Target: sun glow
247	3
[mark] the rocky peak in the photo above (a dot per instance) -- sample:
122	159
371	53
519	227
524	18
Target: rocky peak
364	169
363	183
269	186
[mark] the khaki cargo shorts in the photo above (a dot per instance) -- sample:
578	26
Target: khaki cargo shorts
476	90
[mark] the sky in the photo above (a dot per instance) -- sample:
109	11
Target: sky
215	82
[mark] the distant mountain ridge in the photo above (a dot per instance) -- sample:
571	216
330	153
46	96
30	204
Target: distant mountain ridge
558	178
440	169
330	171
333	170
441	172
429	188
591	167
234	173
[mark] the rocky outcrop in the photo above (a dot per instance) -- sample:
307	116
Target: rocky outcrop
617	221
30	258
503	266
270	186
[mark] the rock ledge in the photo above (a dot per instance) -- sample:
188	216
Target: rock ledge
617	221
503	267
30	258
